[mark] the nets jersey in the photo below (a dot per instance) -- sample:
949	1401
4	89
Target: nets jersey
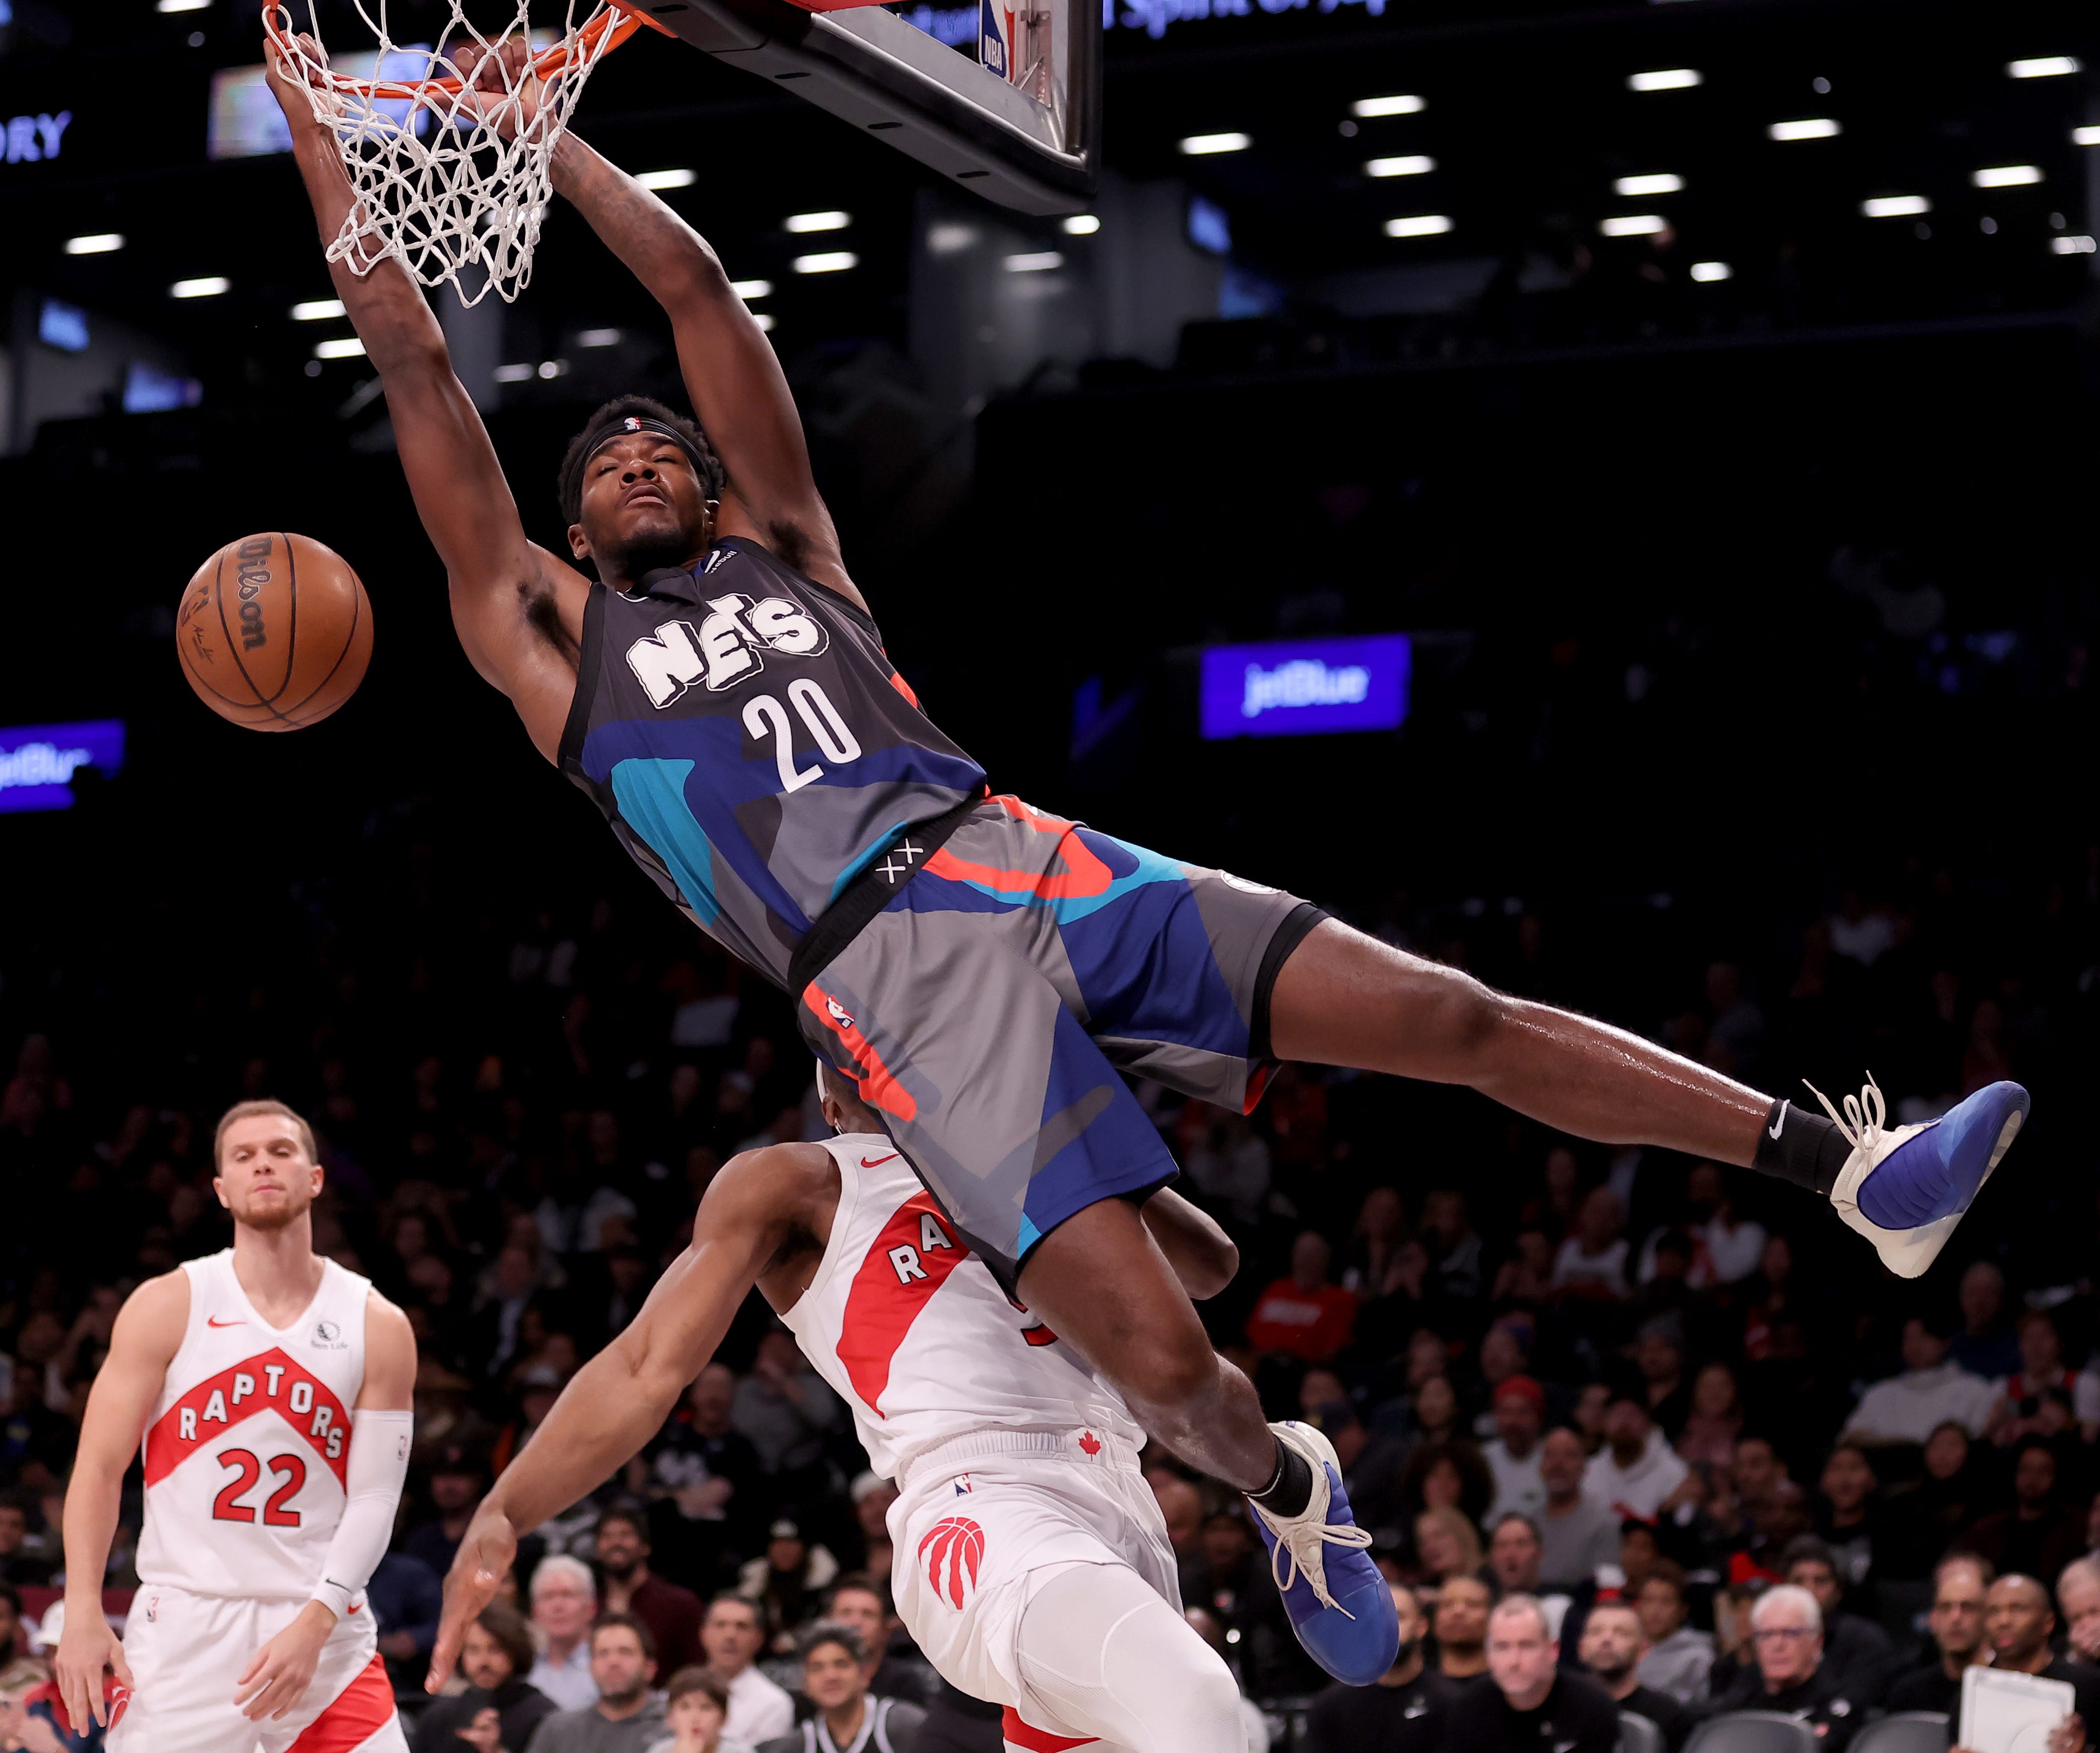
248	1445
912	1332
751	745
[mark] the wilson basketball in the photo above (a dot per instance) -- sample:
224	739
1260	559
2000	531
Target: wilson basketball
274	632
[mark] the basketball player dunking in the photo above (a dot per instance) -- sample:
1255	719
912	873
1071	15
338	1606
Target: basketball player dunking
270	1390
1033	1566
983	971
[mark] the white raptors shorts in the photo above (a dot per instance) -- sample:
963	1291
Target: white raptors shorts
187	1651
986	1519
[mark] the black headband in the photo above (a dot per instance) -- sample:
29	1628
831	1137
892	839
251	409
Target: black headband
626	425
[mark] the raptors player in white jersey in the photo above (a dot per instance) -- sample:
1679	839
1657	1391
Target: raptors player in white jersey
268	1392
1033	1566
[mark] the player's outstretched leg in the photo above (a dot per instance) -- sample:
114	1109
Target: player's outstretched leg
1100	1282
1102	1654
1346	999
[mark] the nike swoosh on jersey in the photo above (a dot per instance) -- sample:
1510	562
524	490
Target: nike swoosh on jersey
877	1162
214	1321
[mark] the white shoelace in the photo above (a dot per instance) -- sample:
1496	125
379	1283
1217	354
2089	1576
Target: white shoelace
1865	1133
1332	1534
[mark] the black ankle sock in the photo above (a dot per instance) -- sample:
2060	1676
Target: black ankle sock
1291	1490
1805	1149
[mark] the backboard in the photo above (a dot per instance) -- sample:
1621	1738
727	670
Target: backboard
1019	123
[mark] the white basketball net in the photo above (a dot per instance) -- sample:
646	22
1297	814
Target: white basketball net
451	174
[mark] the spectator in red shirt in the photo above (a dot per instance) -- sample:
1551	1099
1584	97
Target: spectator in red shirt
1304	1315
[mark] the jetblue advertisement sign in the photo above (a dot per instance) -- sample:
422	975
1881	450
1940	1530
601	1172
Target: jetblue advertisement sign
1303	688
38	762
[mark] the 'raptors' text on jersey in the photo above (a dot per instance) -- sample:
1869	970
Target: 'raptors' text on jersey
248	1445
751	745
913	1332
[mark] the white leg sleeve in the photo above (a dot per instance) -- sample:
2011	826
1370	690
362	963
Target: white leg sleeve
1102	1654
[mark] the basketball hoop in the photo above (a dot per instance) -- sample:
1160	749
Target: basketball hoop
451	173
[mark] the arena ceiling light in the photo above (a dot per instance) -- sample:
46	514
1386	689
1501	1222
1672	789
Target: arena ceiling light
1416	164
830	221
1707	272
1034	262
2075	244
317	310
2045	67
1203	145
1808	128
181	5
1895	206
94	244
598	337
1662	183
1665	79
204	286
1634	225
825	262
763	318
2006	176
749	289
1082	224
667	178
1369	109
348	347
515	373
1418	225
2086	136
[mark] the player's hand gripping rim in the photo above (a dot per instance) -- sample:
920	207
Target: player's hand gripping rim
484	1558
87	1646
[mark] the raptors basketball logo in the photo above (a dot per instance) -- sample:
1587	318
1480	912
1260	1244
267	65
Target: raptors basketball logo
953	1549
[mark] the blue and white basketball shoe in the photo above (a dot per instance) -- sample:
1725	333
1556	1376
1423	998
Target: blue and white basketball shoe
1905	1190
1339	1604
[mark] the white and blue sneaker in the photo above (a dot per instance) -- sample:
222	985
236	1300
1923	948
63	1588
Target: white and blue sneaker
1339	1603
1905	1190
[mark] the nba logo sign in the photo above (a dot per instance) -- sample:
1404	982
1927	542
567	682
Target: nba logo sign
995	29
951	1551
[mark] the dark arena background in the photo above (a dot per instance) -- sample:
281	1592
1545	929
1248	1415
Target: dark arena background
1739	525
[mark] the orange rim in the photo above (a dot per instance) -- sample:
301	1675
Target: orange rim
614	22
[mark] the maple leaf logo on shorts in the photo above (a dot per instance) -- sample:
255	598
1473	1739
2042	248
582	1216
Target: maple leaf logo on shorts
953	1549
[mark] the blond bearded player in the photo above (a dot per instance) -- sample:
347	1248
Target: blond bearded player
270	1391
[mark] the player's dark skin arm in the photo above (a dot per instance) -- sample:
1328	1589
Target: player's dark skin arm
731	373
765	1220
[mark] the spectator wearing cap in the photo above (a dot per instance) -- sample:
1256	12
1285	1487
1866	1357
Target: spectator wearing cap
1908	1408
1512	1454
456	1481
1679	1659
1636	1469
732	1636
672	1613
1614	1642
871	1498
1578	1533
1303	1315
785	1582
1857	1652
564	1602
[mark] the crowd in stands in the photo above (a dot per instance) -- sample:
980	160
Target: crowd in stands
1631	1431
